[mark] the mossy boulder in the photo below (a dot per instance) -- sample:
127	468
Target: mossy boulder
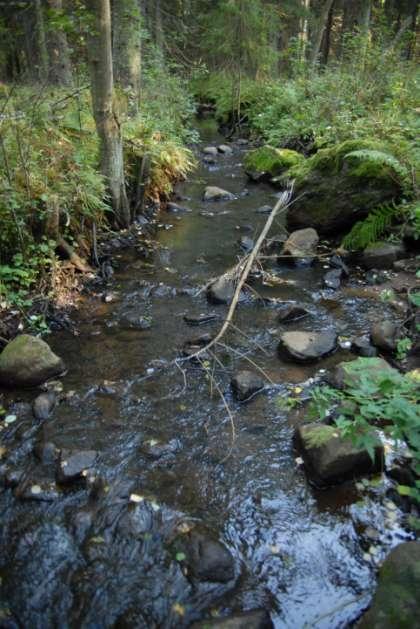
342	184
28	361
268	162
397	599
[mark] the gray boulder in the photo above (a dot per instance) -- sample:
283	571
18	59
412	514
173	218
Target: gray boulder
213	193
28	361
307	346
245	384
382	255
221	291
255	619
331	458
301	243
74	464
396	602
385	335
207	558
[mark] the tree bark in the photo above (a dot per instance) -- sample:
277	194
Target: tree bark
126	40
41	42
322	22
107	124
59	54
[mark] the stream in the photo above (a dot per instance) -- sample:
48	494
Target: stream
101	553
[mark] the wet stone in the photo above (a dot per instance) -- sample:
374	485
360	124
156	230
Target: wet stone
176	209
307	346
74	464
246	384
264	209
385	335
293	312
46	451
348	372
332	279
225	149
207	559
221	291
302	244
42	490
213	193
134	321
44	405
382	255
210	150
246	243
331	458
338	263
256	619
361	345
28	361
201	319
155	449
209	159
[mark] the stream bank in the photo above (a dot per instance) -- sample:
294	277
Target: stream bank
142	540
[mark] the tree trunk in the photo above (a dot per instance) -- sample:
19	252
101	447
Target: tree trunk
41	42
107	124
59	54
322	22
326	39
126	39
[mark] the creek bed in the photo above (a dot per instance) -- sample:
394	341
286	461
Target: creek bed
101	556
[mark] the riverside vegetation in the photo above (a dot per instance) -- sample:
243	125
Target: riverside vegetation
117	188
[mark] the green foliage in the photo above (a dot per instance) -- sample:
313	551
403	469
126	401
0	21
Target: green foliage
317	437
385	399
372	228
403	347
372	159
271	160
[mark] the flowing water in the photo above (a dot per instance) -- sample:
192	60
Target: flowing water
101	555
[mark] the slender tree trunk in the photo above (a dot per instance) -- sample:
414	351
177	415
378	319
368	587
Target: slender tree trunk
107	124
159	40
41	42
322	22
126	49
326	39
59	53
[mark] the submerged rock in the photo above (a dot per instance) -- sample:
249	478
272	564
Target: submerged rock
341	185
331	458
28	361
221	291
135	321
255	619
213	193
301	243
307	346
382	255
246	243
207	559
361	345
268	162
201	319
385	335
264	209
74	464
397	598
155	449
44	405
332	279
293	312
245	384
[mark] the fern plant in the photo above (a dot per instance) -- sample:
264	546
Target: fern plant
370	158
372	228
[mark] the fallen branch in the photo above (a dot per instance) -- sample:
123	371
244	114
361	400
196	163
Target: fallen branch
244	269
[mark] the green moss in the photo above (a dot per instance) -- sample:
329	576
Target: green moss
319	435
268	159
336	159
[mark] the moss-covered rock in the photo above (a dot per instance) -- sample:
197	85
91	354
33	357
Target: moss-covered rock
397	598
267	162
342	184
28	361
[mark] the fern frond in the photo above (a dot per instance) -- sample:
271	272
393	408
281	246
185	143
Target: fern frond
370	230
379	158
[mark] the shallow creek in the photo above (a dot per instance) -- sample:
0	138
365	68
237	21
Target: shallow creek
91	557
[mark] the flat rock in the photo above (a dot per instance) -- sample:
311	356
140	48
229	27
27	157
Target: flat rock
301	243
330	458
207	558
382	255
397	598
210	150
264	209
245	384
385	335
154	449
213	193
221	291
200	319
350	372
136	321
74	464
28	361
292	312
307	346
225	149
255	619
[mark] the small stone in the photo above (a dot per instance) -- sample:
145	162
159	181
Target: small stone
225	149
201	319
332	279
382	255
73	463
246	384
307	346
385	335
293	312
361	345
221	291
44	405
264	209
210	150
246	243
213	193
301	243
